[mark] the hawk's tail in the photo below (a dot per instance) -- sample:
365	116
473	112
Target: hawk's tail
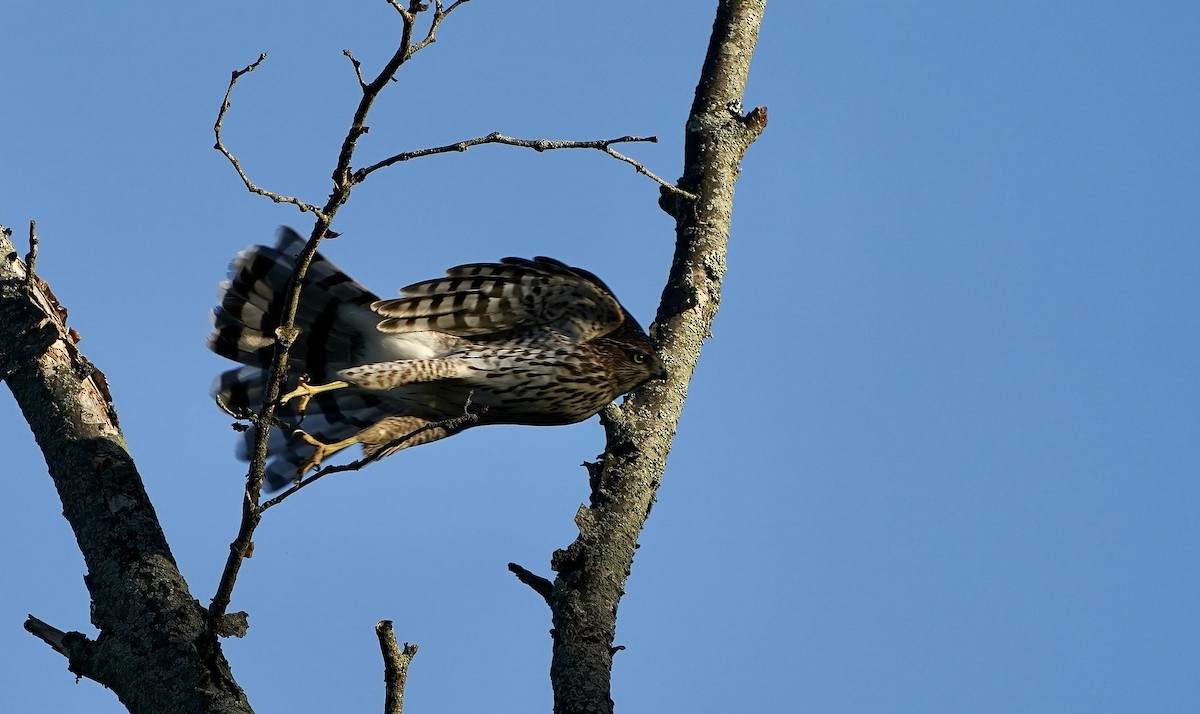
330	315
333	317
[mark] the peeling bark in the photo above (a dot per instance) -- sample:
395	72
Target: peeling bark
155	650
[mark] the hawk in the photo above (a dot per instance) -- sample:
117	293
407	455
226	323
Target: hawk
516	342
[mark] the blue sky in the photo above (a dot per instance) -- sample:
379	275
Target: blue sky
940	456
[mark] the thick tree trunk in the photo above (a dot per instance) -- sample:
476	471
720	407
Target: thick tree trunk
155	650
592	571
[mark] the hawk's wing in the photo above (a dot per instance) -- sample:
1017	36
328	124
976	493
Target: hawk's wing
481	299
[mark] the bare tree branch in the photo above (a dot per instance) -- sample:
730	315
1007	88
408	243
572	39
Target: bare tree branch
362	83
395	667
155	650
669	187
49	634
539	145
237	166
592	571
468	417
540	585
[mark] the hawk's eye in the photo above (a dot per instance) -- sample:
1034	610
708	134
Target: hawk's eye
639	358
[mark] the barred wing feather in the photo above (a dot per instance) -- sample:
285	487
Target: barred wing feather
483	299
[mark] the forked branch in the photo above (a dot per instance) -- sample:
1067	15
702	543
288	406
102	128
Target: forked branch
237	165
395	667
286	333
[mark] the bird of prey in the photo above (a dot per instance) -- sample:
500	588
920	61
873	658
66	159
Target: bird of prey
515	342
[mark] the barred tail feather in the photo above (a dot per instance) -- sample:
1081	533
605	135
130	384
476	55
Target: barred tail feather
333	313
336	328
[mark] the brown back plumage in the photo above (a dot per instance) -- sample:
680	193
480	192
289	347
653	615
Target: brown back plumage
486	299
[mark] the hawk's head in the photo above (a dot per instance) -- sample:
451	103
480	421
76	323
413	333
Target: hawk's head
630	357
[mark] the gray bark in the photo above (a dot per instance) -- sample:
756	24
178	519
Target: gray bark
155	649
592	571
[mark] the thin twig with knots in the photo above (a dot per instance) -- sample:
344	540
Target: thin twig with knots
237	166
468	417
538	145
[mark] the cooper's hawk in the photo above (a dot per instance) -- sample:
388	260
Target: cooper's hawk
515	342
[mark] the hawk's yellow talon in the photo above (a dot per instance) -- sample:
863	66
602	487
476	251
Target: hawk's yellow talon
305	391
322	450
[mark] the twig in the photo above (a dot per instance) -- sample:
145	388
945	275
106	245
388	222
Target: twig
31	257
362	83
646	172
237	166
244	414
540	585
417	6
47	633
400	9
468	417
395	666
342	181
538	145
439	14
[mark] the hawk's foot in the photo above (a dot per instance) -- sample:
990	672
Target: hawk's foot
305	391
322	450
